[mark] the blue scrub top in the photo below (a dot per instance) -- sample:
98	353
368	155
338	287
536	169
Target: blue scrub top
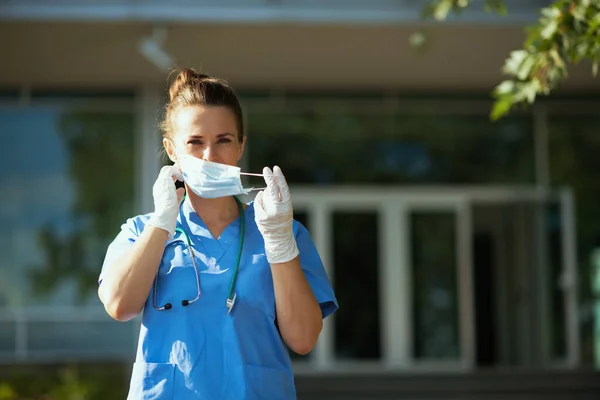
198	351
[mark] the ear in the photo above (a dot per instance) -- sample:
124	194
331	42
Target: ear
242	147
170	149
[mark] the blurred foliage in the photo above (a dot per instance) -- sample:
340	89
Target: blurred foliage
440	9
101	151
68	382
568	31
342	146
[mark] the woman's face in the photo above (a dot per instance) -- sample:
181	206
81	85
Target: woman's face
206	132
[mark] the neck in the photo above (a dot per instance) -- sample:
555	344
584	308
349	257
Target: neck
222	209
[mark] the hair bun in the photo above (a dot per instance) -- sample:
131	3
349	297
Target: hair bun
185	77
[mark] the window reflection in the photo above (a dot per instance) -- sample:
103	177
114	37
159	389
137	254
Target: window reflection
332	146
574	145
80	337
356	255
9	94
435	290
456	149
67	186
313	147
554	267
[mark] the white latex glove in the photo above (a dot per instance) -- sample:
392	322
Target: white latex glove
273	213
166	199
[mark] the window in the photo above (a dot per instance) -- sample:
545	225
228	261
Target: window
356	255
67	186
362	146
338	141
574	146
435	290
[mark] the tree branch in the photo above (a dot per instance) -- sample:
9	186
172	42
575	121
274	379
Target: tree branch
568	31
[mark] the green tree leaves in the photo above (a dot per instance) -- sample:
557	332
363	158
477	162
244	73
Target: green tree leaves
440	9
568	31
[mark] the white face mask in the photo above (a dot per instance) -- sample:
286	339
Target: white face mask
211	180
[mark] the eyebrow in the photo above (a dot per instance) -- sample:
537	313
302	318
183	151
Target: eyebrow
219	136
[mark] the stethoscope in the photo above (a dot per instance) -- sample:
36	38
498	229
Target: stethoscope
231	296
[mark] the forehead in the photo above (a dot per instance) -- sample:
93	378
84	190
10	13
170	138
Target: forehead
204	121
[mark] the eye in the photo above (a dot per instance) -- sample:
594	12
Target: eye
224	140
194	142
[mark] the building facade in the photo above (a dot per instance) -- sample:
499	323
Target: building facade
454	243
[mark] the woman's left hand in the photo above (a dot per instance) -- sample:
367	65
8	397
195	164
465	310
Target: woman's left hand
274	216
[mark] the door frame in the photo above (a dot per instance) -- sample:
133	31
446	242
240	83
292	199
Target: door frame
396	218
392	205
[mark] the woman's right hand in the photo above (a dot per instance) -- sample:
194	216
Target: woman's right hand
128	280
167	199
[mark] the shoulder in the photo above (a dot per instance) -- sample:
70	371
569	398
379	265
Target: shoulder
299	229
136	224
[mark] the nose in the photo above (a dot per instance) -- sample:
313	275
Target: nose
209	154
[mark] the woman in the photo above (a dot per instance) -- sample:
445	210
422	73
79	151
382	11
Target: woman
224	287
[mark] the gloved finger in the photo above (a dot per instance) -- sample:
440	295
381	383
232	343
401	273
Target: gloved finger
177	166
176	174
164	182
258	198
259	208
272	190
171	171
282	183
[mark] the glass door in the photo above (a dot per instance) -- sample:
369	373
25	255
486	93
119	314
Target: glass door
435	297
560	336
427	283
441	279
525	282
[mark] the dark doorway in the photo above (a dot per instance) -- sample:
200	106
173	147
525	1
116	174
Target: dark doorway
483	268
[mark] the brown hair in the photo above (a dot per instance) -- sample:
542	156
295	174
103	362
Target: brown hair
191	89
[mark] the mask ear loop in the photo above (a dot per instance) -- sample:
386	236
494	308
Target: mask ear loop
251	174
